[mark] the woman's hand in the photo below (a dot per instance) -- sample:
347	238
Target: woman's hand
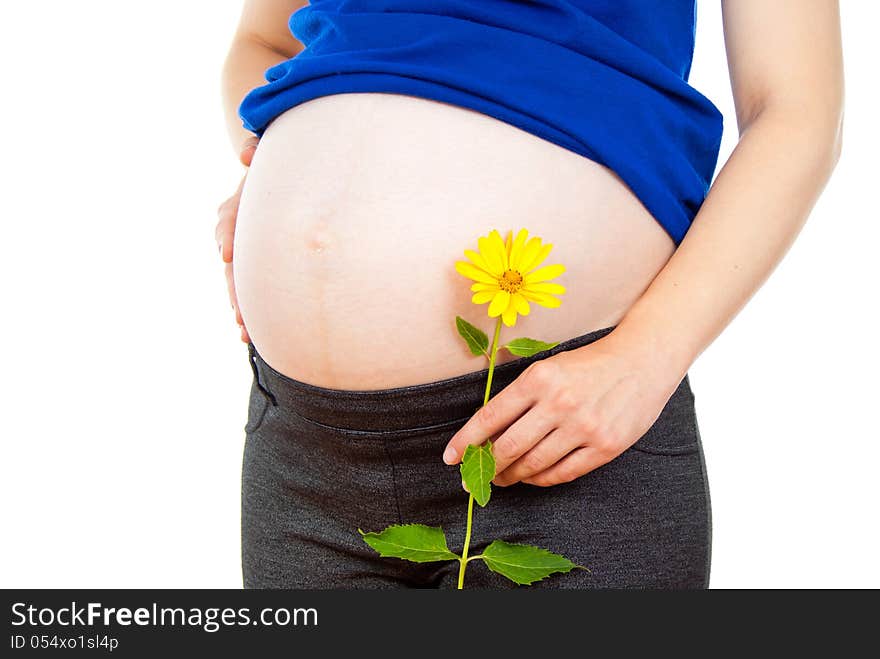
570	413
224	233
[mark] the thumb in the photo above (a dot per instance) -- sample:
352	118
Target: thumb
248	147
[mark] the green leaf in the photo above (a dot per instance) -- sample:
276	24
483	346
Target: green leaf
524	347
478	470
524	564
476	338
412	542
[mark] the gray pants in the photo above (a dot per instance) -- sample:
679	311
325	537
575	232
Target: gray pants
320	463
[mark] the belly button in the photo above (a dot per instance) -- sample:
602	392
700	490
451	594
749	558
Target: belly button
318	240
316	245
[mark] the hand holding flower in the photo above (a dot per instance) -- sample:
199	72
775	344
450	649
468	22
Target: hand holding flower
570	413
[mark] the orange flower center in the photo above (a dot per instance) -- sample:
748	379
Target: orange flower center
511	281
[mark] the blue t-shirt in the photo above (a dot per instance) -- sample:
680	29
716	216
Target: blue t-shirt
606	79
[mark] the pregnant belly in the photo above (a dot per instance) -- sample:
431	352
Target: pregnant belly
356	207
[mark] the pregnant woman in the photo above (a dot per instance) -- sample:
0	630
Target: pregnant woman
382	138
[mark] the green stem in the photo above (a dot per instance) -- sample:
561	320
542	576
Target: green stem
463	561
467	541
492	360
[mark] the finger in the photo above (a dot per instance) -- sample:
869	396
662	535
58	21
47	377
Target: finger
226	247
574	465
493	418
550	450
521	437
224	232
230	288
233	300
233	297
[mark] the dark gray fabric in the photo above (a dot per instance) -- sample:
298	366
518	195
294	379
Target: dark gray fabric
320	463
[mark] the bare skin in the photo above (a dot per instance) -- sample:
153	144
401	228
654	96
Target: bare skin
344	268
575	411
261	40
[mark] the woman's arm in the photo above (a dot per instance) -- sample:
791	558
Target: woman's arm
577	410
261	41
786	70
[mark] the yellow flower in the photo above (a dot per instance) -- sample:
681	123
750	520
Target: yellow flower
505	274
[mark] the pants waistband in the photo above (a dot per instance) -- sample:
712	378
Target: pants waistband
428	406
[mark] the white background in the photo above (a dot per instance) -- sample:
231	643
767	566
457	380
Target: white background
125	383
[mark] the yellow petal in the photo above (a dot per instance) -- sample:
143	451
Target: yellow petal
545	287
496	239
538	260
508	244
543	274
521	304
516	249
473	272
529	252
543	299
494	259
481	297
479	261
499	303
509	316
480	286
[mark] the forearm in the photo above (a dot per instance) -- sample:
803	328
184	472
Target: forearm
243	70
754	210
